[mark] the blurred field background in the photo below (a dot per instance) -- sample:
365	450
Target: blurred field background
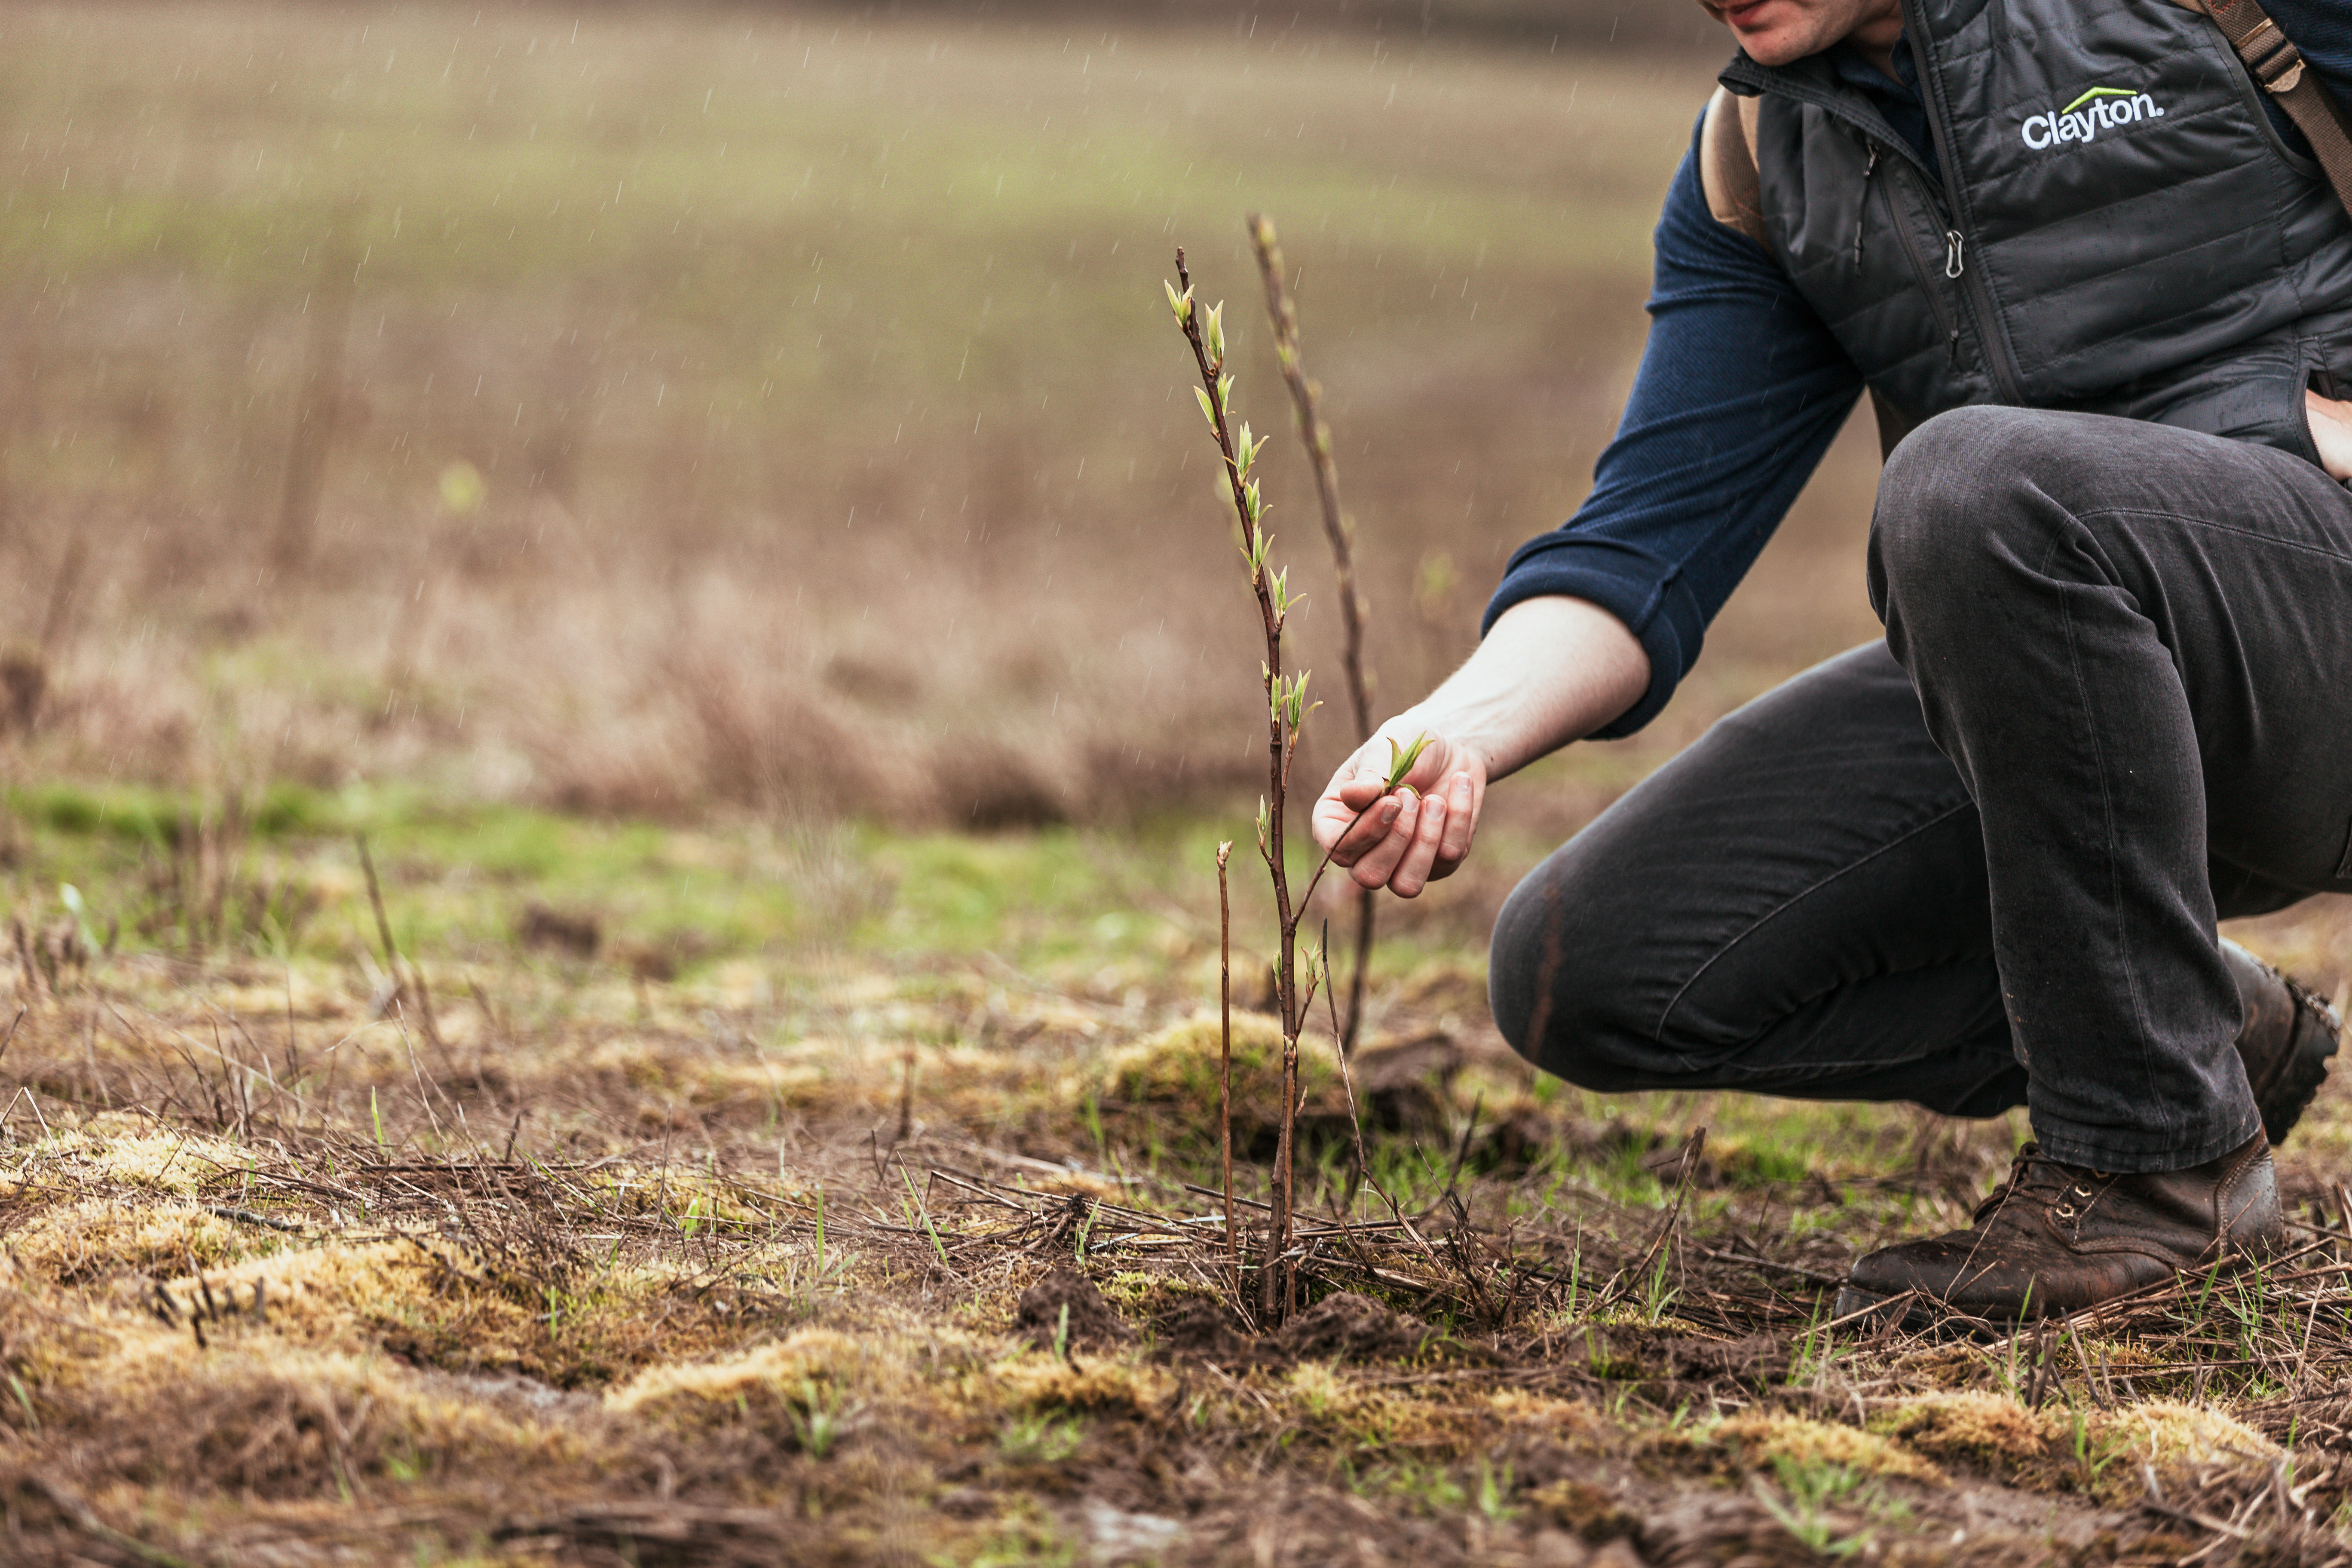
831	454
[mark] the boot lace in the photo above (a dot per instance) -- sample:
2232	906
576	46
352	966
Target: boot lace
2034	1178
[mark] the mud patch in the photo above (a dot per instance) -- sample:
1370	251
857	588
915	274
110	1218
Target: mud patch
1066	1308
1202	1330
1346	1326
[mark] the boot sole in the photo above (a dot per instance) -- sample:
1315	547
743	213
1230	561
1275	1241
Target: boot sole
1940	1323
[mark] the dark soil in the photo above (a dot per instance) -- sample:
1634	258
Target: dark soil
1066	1309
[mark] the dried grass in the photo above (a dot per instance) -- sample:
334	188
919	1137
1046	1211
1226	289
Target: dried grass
668	1339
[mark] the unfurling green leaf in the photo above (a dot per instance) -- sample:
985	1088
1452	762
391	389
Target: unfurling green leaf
1295	707
1216	335
1182	304
1257	507
1279	589
1243	452
1208	409
1224	392
1400	762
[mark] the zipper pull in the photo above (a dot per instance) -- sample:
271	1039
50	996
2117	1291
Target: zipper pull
1952	347
1953	266
1862	207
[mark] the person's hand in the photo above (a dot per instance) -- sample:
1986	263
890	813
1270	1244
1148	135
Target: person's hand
1405	838
2331	432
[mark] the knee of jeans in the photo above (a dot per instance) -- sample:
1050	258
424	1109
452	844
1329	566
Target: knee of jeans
1954	496
1558	1004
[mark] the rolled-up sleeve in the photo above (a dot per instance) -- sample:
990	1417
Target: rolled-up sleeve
1741	389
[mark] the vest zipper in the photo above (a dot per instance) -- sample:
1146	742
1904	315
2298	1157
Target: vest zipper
1978	294
1862	208
1925	275
1872	128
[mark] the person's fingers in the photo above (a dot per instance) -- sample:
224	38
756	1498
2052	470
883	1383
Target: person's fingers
1366	828
1341	806
1399	815
1356	773
1412	874
1347	817
1330	819
1461	823
1430	767
1360	780
1406	836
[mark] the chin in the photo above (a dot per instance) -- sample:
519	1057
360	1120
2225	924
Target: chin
1773	47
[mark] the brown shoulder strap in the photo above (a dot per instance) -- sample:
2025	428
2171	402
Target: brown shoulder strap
1727	165
2278	65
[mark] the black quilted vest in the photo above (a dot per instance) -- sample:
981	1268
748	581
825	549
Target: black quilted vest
2117	227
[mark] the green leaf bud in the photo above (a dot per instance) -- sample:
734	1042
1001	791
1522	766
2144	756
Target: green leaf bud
1400	762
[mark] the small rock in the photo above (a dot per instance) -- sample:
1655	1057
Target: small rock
1119	1535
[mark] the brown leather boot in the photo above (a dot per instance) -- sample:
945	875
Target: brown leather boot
2053	1239
2289	1034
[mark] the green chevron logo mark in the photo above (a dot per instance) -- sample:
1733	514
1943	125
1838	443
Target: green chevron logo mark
2099	93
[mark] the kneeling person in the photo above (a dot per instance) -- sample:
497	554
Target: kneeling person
1980	864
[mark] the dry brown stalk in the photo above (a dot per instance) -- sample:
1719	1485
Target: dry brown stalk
408	981
1307	399
319	405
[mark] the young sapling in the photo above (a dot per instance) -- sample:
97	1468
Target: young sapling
1287	707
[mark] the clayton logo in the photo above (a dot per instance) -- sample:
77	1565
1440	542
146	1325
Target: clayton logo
2101	109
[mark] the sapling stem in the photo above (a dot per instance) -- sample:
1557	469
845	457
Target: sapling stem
1307	400
1225	1053
1286	709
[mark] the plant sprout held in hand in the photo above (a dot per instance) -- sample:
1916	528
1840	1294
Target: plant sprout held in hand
1400	762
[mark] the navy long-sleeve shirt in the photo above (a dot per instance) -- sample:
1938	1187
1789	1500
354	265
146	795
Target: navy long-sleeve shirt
1741	389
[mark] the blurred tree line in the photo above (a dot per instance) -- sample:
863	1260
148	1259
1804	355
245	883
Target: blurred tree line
1583	24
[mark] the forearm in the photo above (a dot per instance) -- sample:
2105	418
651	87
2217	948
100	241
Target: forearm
1550	671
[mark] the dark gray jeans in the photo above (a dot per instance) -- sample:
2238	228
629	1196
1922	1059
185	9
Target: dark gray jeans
1979	864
